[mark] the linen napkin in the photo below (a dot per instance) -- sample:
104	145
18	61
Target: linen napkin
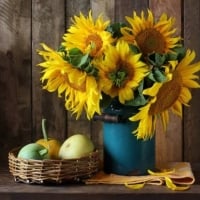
175	175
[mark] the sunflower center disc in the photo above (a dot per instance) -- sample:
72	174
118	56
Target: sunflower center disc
150	40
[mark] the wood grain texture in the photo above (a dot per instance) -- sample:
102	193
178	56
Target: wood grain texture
82	125
15	67
48	26
10	190
191	125
103	7
106	8
169	144
126	8
23	103
75	7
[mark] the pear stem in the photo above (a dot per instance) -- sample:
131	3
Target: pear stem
44	130
43	152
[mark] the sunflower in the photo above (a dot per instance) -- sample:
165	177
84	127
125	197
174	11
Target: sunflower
120	71
151	36
88	35
80	90
170	95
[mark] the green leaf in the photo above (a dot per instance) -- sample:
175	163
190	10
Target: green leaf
83	60
75	56
159	75
115	29
134	48
172	56
137	101
160	59
90	69
157	59
75	52
181	51
151	76
141	87
63	51
177	53
61	48
139	98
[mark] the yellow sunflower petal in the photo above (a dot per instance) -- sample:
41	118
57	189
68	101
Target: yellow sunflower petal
172	186
152	91
121	73
88	35
135	186
80	90
177	109
170	95
151	35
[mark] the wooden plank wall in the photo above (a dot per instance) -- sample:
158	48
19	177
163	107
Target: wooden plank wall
26	23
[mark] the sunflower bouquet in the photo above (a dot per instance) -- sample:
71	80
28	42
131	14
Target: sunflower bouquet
141	63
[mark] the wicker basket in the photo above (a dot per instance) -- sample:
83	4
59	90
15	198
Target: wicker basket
52	171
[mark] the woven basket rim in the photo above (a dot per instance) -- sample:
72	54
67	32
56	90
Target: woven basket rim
52	170
13	152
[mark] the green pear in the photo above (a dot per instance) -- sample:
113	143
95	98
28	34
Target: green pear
33	151
76	146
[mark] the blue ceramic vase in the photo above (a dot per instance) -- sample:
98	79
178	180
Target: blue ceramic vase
124	154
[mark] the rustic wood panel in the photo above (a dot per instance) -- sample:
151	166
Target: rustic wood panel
107	9
126	7
191	125
48	26
82	125
15	67
26	23
75	7
9	190
169	144
103	7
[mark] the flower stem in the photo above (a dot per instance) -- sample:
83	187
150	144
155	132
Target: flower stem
44	130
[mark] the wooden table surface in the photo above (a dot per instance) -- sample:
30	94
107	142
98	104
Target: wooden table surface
10	190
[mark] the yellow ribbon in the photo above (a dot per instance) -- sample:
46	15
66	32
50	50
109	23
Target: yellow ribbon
163	172
168	181
172	186
135	186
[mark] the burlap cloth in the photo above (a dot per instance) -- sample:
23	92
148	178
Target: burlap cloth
175	175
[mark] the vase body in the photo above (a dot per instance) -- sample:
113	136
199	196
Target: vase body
124	154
